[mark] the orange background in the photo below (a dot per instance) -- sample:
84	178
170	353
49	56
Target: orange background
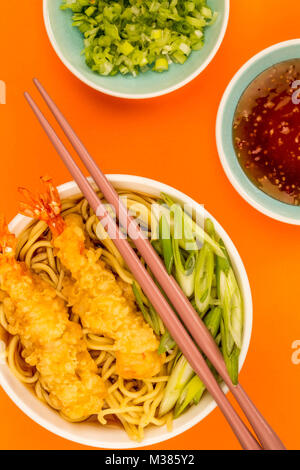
171	139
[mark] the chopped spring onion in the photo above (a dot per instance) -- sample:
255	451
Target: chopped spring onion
161	65
130	36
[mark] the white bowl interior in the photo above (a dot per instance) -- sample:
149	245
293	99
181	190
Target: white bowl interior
92	434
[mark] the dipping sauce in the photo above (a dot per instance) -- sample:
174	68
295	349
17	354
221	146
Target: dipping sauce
266	131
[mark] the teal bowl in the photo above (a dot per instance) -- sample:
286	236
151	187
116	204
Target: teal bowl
261	201
68	44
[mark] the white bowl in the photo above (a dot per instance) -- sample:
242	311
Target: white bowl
92	434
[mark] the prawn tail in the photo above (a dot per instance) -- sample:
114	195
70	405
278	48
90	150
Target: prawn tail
45	206
7	240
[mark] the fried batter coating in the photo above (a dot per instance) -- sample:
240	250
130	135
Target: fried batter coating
104	306
51	342
96	296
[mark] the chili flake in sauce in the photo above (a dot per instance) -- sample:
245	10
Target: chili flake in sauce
266	131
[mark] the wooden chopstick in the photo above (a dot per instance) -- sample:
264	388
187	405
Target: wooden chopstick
166	313
264	432
191	319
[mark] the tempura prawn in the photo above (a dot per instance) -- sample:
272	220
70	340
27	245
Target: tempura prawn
51	342
94	293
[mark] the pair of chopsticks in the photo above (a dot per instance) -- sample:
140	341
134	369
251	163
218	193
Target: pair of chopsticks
194	334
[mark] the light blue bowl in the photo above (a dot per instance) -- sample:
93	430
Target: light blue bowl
68	44
254	196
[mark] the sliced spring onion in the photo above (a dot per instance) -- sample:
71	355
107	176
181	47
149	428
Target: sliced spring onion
157	246
180	375
191	394
219	338
201	314
231	302
188	241
236	309
184	267
166	343
209	228
149	314
204	278
232	359
185	270
140	303
154	319
184	235
213	320
198	231
194	389
166	243
224	296
130	36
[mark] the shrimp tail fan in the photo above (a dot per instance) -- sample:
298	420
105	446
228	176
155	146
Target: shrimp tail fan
45	206
7	239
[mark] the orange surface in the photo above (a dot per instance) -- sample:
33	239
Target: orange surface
170	139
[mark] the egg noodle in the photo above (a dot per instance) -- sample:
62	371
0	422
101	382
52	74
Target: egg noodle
132	404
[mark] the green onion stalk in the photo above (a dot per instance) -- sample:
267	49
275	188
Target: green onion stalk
150	315
184	387
184	262
200	234
198	259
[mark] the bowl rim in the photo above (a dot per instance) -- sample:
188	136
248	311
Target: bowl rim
127	180
225	159
165	91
